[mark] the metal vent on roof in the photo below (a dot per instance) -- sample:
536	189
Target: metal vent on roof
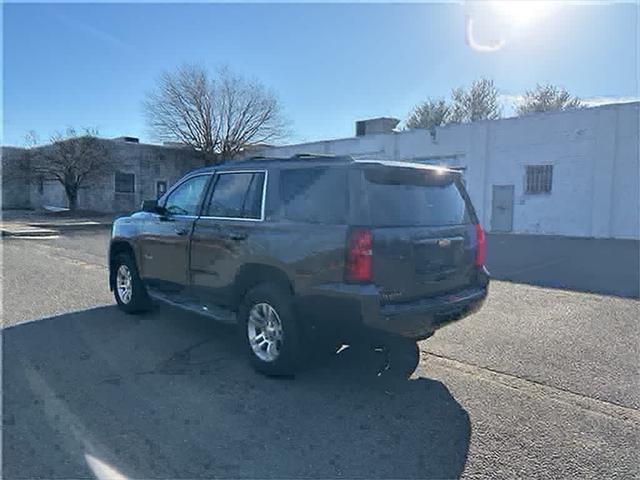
127	139
375	126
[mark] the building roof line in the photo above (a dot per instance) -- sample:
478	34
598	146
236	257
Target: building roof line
466	124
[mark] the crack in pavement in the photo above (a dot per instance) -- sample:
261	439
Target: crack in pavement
179	362
535	388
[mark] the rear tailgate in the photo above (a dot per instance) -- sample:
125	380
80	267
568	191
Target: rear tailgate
423	231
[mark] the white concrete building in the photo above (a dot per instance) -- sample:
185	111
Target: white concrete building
573	173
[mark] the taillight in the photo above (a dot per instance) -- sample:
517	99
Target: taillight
359	255
481	251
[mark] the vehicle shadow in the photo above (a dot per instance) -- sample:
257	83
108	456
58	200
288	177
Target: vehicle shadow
102	394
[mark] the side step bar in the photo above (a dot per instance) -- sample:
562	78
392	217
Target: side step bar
219	314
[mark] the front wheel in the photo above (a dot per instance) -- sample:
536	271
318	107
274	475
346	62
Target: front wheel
128	289
269	330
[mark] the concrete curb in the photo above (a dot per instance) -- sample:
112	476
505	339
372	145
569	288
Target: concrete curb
89	225
28	232
41	229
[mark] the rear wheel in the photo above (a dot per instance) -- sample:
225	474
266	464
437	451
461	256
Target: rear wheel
269	330
130	293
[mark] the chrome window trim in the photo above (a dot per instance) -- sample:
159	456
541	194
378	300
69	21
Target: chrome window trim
263	200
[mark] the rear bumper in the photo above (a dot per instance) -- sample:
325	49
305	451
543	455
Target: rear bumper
345	306
421	318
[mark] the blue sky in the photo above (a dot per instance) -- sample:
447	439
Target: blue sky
330	64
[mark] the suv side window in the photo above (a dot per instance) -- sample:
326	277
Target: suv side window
237	195
314	195
185	199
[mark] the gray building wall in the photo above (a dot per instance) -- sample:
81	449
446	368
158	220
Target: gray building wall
15	190
148	163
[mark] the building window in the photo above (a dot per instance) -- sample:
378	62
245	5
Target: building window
361	128
539	179
125	182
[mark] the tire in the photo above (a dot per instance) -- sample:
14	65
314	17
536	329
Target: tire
269	330
137	300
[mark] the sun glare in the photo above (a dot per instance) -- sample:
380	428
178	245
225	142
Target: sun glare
503	19
521	13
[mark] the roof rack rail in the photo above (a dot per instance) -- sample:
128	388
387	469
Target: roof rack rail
307	154
255	157
322	156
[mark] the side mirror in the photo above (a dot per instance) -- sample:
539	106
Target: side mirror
151	206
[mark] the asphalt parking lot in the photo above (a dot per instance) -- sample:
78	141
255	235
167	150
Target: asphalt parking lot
542	382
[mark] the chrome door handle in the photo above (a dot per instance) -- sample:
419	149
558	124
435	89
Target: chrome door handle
182	231
238	236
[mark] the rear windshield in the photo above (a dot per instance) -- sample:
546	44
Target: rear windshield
409	196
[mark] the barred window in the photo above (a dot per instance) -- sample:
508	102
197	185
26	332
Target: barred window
125	182
539	179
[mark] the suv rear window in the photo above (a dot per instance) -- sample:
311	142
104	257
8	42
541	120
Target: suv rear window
314	195
410	196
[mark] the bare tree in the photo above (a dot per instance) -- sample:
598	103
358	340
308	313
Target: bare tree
545	98
73	159
31	139
219	115
429	114
479	102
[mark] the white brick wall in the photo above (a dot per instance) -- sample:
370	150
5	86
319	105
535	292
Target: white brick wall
594	153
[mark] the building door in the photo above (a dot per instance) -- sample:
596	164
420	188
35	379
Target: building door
502	208
161	188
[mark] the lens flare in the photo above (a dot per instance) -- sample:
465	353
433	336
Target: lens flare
521	13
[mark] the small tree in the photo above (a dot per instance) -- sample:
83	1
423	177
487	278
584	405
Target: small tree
429	114
480	102
546	98
219	115
75	160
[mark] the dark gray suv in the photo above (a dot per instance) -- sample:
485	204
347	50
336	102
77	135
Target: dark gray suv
304	249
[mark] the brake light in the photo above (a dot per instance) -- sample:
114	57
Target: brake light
359	255
481	251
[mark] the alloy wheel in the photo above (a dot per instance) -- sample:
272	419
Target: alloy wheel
265	332
124	284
